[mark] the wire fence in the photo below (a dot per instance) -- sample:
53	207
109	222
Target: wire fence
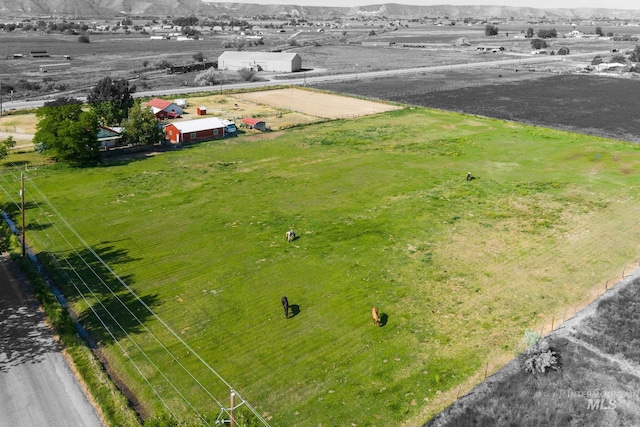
169	369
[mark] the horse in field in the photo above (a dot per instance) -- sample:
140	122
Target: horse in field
285	306
291	236
376	317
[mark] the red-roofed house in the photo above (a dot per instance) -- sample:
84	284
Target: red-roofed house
162	109
255	124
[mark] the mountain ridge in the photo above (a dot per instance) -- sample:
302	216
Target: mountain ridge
160	8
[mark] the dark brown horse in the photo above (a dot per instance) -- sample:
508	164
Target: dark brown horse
285	305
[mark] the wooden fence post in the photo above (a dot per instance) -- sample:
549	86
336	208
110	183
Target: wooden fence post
232	421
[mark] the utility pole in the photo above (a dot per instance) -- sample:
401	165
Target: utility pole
232	421
24	242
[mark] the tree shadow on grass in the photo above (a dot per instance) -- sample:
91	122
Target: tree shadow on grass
110	311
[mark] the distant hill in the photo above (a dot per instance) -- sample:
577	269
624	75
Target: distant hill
161	8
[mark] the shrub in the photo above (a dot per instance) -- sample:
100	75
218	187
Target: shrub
163	64
620	59
84	39
207	78
539	358
531	337
247	74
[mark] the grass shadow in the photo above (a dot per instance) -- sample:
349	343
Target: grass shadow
384	318
295	310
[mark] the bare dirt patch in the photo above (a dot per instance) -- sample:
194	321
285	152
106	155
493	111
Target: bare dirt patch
317	104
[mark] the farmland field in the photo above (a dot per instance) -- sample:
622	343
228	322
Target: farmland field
596	105
460	269
597	383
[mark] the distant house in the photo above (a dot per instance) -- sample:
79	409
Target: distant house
163	109
190	131
109	137
281	62
494	49
255	124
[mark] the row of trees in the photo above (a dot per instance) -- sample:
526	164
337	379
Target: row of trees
68	131
492	30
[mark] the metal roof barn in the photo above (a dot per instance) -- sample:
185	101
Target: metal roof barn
281	62
197	130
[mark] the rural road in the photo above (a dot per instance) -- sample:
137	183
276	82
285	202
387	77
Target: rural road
310	79
37	388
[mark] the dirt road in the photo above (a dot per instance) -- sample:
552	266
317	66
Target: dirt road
37	388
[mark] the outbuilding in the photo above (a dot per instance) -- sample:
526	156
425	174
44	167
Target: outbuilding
201	111
162	109
44	68
280	62
252	123
190	131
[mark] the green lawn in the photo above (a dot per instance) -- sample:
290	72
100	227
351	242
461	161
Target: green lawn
459	270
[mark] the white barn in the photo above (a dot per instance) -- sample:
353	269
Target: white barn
281	62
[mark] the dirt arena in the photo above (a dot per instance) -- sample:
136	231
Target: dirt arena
317	104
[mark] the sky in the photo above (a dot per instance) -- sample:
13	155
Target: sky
609	4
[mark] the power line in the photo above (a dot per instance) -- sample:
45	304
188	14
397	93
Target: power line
112	273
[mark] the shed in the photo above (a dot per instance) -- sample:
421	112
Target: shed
201	111
283	62
190	131
252	123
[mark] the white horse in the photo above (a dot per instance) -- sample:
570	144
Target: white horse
291	236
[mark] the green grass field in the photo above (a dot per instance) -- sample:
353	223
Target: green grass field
385	217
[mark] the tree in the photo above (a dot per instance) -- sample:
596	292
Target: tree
111	100
547	34
634	55
5	146
529	33
599	31
84	39
538	44
490	30
66	132
141	128
198	57
563	51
